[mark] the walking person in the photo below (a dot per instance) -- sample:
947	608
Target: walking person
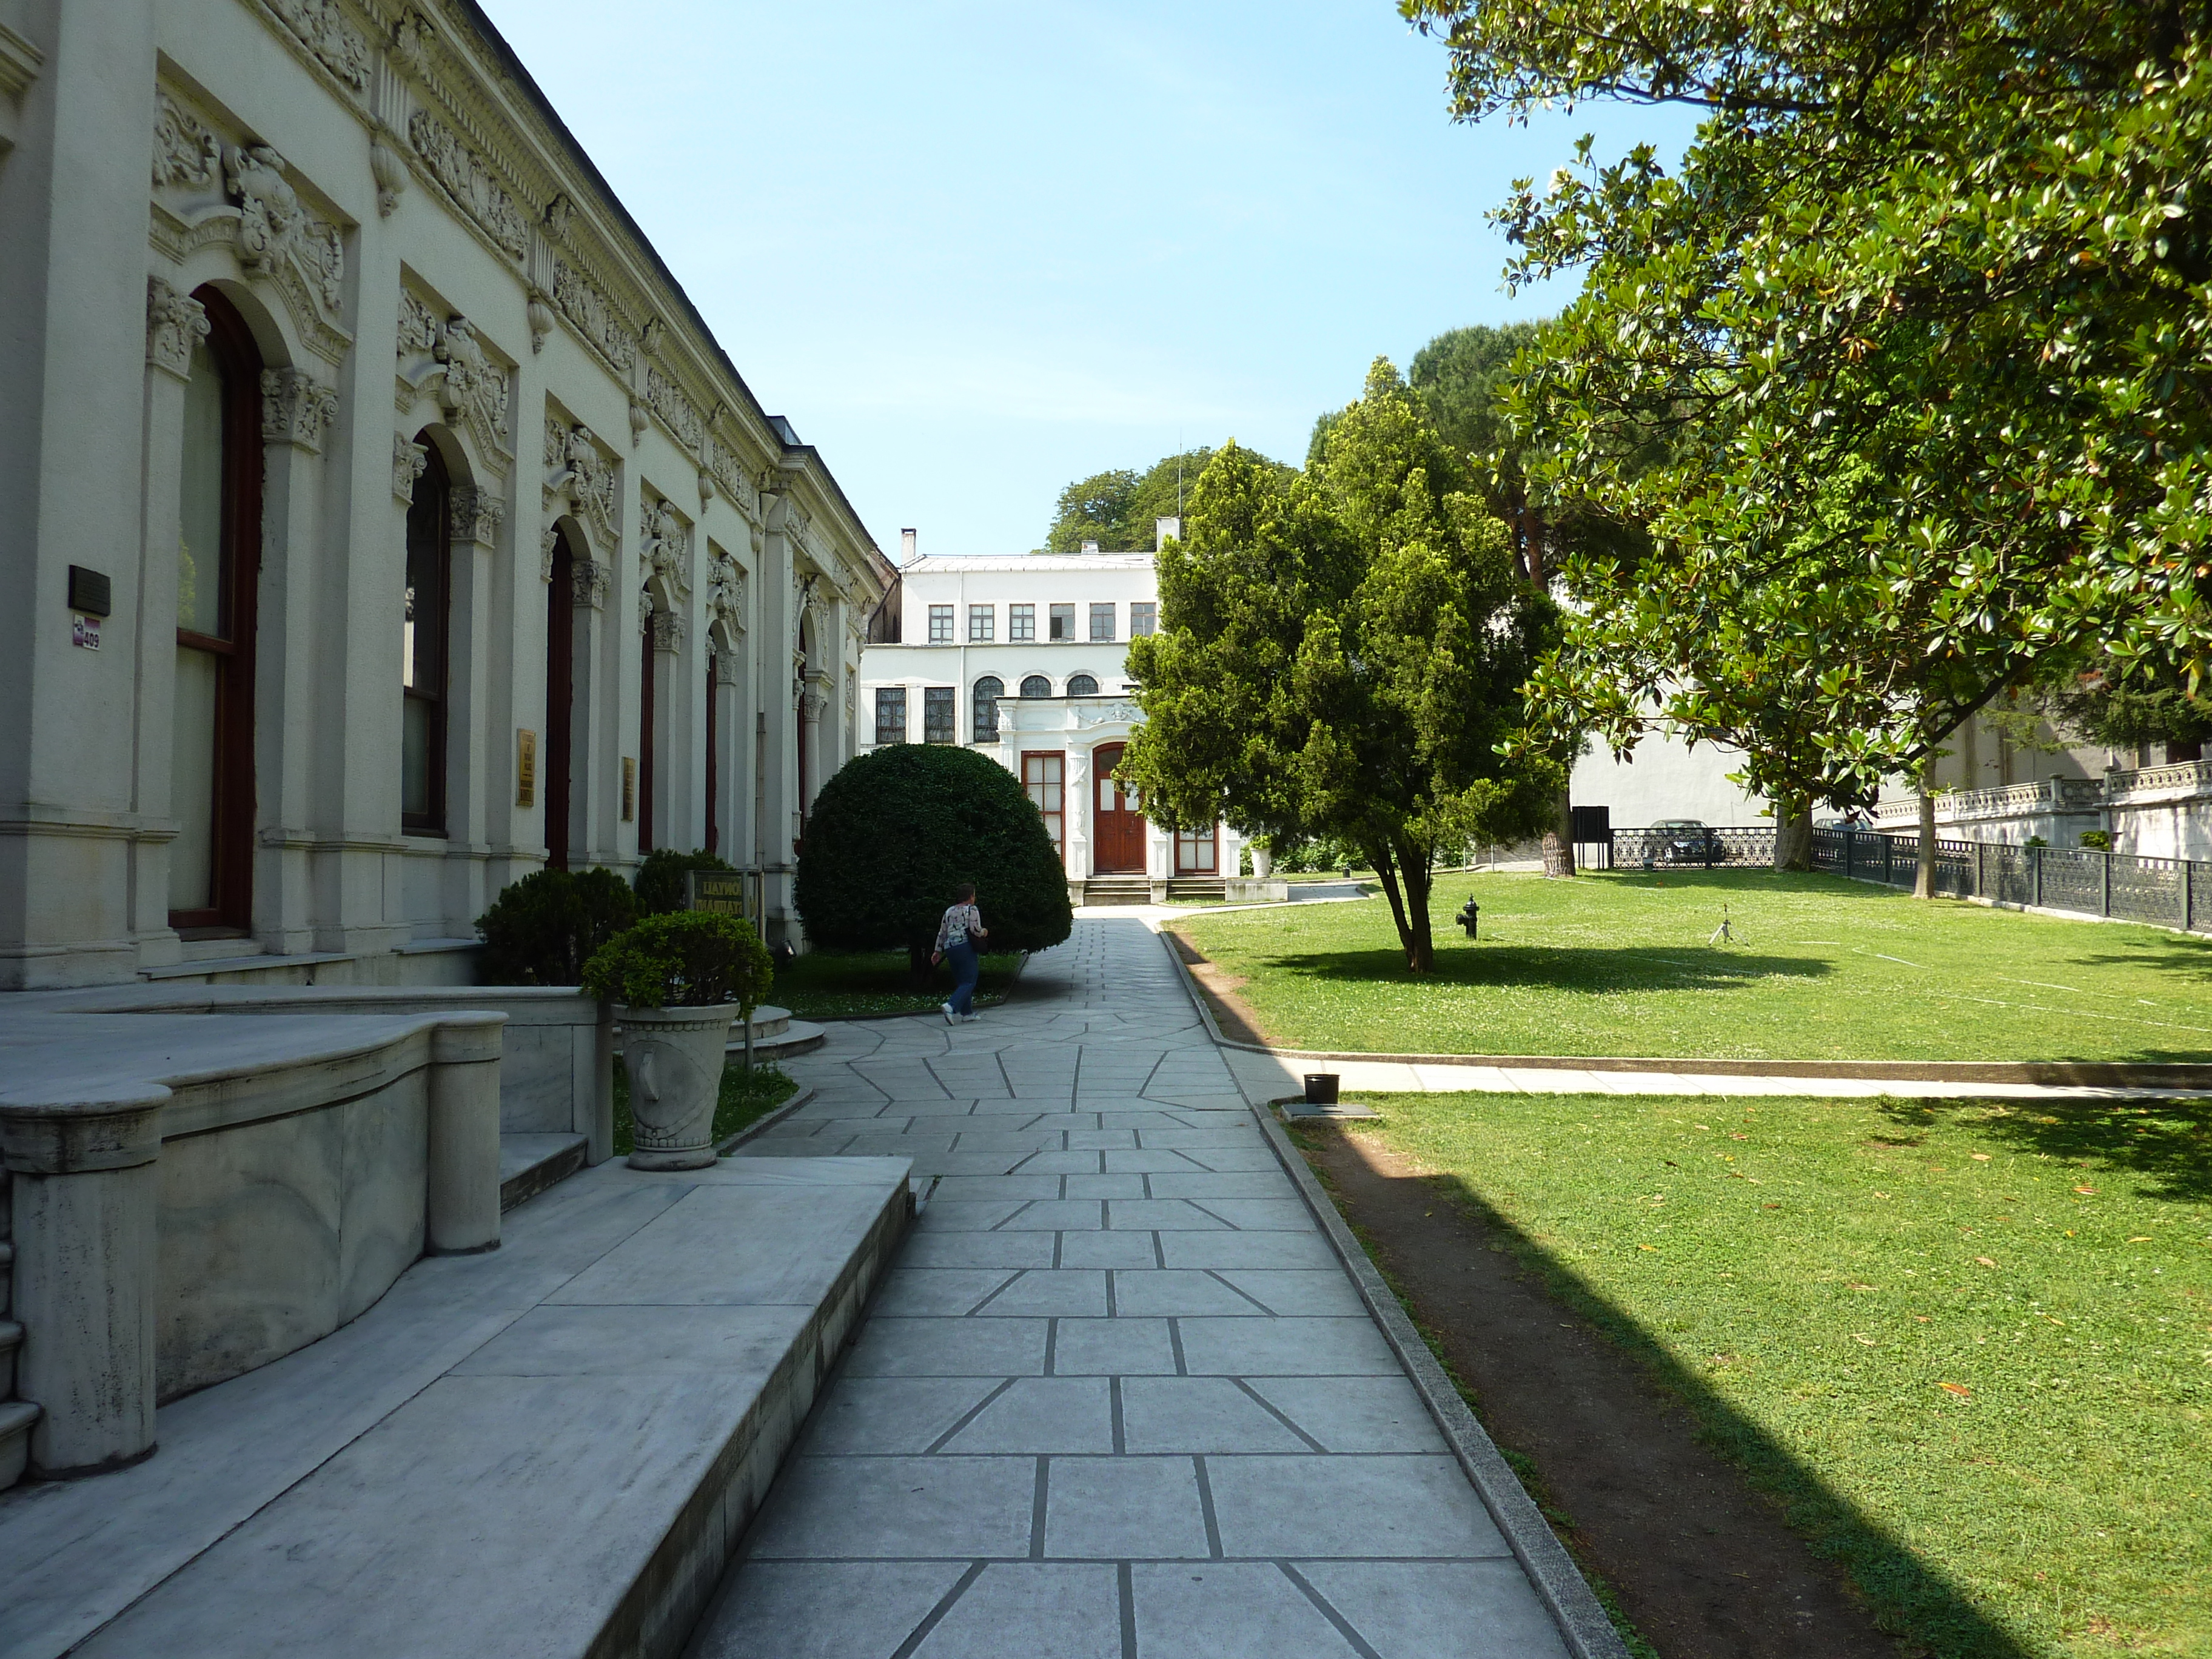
957	937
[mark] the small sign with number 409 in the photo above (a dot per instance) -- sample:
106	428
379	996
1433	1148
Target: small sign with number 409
85	631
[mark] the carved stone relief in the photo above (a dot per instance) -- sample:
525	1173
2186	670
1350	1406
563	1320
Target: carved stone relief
469	183
665	549
591	578
668	400
186	153
595	319
276	236
323	30
549	542
475	393
175	323
578	474
726	591
295	408
408	460
668	631
541	323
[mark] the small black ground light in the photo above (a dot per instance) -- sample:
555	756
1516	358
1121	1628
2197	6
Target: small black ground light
1321	1088
1469	914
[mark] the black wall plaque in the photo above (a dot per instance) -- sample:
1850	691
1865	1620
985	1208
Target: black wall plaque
89	592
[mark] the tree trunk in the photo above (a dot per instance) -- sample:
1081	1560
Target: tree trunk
1420	947
1412	923
917	963
1559	839
1793	834
1924	879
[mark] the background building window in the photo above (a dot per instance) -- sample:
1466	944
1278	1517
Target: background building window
1043	774
1063	622
891	714
1102	622
423	654
1082	685
940	624
1037	686
988	690
1020	622
981	620
939	723
1144	619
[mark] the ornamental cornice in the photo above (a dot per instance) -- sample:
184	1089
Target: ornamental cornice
581	476
320	27
664	547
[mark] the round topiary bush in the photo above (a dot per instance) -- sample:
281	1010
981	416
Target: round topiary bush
683	959
896	831
541	930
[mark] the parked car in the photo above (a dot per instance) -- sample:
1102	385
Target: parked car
1689	840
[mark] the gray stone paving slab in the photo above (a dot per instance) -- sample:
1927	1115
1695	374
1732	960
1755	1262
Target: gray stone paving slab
1229	1610
1165	1424
856	1507
1116	1508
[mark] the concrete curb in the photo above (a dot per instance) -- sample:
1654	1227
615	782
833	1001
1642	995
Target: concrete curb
729	1144
1583	1623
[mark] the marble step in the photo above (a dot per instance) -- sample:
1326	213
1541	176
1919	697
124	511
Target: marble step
17	1417
792	1036
549	1449
529	1163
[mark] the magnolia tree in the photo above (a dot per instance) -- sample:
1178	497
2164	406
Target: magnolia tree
1340	655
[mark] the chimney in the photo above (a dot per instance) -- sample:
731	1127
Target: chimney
907	553
1091	546
1163	528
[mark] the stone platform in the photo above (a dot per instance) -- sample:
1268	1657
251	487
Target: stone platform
549	1449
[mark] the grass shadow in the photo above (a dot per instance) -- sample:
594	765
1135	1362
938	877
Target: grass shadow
1581	969
1909	1597
2168	1142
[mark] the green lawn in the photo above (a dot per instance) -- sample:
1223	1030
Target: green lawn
1969	1347
831	985
745	1098
1620	963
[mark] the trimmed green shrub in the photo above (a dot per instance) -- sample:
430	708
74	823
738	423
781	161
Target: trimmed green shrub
543	929
2099	839
685	959
895	832
660	885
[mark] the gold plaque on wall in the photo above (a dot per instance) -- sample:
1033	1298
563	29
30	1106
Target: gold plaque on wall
525	767
629	789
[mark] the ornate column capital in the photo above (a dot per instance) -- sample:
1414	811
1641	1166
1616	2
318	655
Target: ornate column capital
477	515
296	409
175	323
408	460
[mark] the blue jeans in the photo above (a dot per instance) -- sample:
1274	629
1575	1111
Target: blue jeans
964	969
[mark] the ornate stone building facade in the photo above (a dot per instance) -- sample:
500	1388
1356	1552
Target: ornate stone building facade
384	521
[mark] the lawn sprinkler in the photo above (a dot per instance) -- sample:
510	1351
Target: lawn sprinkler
1467	917
1721	932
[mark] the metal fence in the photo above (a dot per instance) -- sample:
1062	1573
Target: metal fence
2165	892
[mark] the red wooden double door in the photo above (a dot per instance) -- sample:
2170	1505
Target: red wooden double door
1117	827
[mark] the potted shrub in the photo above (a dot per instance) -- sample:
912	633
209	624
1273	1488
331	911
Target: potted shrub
678	981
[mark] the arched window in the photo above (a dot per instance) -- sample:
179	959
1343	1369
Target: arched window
218	559
423	652
1082	685
988	690
1036	685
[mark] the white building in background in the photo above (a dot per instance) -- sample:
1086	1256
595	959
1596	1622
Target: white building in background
1023	657
384	523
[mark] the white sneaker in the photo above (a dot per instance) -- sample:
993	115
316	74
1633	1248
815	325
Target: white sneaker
970	1019
950	1018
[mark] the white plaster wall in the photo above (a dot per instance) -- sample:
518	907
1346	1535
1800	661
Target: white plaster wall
1665	777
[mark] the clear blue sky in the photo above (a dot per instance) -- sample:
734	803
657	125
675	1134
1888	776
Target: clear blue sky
976	250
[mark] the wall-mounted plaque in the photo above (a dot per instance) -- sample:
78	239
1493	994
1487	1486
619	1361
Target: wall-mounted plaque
629	789
525	767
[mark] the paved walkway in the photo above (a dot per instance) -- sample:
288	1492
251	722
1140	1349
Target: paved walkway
1119	1399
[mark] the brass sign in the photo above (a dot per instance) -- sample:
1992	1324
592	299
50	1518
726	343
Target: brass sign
525	767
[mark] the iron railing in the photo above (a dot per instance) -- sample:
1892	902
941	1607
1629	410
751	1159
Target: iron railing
2083	880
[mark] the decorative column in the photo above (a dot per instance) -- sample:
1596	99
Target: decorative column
296	412
1076	806
175	324
672	696
477	767
83	1194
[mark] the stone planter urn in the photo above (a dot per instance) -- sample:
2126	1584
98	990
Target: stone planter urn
674	1057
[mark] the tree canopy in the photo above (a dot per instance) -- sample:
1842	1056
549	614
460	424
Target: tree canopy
1119	509
1340	655
1903	381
